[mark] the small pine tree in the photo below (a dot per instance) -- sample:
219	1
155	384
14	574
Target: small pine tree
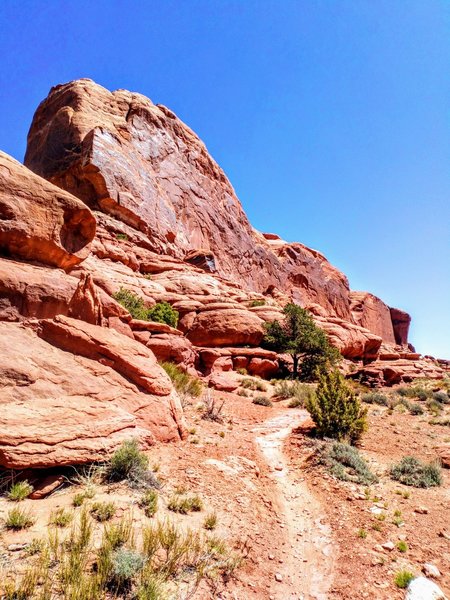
300	337
336	409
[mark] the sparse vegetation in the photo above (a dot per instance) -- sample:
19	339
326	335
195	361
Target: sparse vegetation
210	521
402	546
128	462
162	312
345	463
434	407
122	236
78	499
149	502
362	533
60	518
403	578
125	566
187	386
262	401
255	303
76	567
18	518
212	408
375	398
299	393
242	371
411	471
103	511
336	409
19	491
254	384
441	397
300	337
185	504
416	409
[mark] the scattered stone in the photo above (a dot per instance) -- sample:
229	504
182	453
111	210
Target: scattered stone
16	547
444	534
421	510
431	570
46	486
271	557
278	577
422	588
389	546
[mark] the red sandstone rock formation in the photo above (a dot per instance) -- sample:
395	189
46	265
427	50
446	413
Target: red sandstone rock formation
73	407
78	374
39	221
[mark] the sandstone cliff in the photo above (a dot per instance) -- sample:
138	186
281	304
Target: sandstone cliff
120	193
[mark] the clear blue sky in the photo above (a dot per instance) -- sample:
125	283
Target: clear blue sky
330	117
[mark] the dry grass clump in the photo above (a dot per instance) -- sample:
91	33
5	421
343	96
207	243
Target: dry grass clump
71	566
19	491
262	401
253	384
19	518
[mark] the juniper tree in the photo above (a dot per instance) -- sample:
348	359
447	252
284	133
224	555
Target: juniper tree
300	337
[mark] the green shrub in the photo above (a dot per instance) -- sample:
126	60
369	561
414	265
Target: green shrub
185	384
210	521
185	504
403	579
262	401
149	502
362	533
61	517
253	384
300	337
18	518
125	566
243	393
375	398
402	546
336	409
299	392
103	511
434	407
414	391
441	397
133	303
128	462
345	463
413	472
19	491
78	499
416	409
162	312
121	236
242	371
254	303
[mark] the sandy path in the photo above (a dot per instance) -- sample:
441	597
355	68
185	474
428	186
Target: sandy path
307	572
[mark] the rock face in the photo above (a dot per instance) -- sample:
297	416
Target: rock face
60	407
371	313
39	221
137	161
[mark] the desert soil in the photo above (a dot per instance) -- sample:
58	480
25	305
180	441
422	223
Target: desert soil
296	526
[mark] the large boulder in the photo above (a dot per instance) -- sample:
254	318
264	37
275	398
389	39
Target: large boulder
226	327
74	402
39	221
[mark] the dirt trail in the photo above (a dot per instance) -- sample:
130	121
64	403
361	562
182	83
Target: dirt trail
307	571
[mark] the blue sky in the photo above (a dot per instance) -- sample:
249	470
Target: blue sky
330	117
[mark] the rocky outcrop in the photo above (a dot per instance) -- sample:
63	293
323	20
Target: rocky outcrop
400	322
373	314
39	221
60	407
135	160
